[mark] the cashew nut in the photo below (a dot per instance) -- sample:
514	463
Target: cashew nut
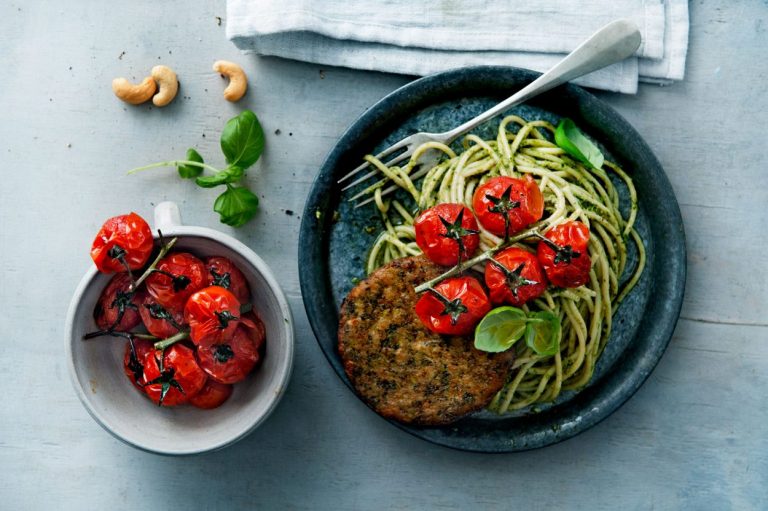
134	94
238	82
167	83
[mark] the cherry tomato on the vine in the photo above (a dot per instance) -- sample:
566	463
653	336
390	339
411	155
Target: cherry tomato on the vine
446	233
220	271
133	363
564	255
173	375
123	243
506	205
117	308
454	306
514	276
176	278
212	395
213	314
160	321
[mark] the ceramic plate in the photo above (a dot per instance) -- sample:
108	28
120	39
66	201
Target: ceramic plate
335	239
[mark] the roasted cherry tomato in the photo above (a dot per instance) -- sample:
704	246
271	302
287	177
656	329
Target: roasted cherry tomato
505	204
123	243
160	321
117	308
230	361
172	376
213	314
220	271
176	278
447	232
564	254
454	307
256	329
514	276
212	395
133	363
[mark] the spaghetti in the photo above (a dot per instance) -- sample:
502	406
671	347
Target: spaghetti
571	191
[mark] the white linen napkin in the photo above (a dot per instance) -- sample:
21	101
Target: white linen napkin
420	38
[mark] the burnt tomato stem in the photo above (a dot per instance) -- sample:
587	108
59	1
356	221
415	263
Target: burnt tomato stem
453	308
455	231
503	205
562	254
163	250
514	278
475	260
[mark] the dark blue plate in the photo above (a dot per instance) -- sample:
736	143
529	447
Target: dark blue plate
335	239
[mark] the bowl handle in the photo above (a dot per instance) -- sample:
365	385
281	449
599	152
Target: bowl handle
167	216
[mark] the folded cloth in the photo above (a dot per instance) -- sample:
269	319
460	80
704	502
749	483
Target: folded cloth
424	37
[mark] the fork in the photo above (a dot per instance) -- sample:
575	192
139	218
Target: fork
612	43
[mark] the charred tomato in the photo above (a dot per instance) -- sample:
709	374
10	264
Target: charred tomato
172	376
213	314
220	271
230	361
133	361
506	205
176	278
160	321
514	276
212	395
454	306
117	308
563	254
123	243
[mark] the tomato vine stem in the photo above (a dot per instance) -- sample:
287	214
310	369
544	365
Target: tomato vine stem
459	268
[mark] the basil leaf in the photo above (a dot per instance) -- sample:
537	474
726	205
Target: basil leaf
500	329
236	206
190	171
574	142
226	176
542	333
242	140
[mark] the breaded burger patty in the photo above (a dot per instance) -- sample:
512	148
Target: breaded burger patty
400	368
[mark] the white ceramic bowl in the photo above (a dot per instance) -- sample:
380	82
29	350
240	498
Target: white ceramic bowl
96	365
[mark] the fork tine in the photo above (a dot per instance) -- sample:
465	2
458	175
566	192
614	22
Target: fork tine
389	150
372	173
389	189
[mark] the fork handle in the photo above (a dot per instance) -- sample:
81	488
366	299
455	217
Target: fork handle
612	43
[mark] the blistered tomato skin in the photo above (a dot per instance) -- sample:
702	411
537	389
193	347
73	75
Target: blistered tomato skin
506	201
220	271
213	314
117	308
160	321
179	275
212	395
122	239
455	308
520	278
446	232
565	257
134	367
230	361
180	376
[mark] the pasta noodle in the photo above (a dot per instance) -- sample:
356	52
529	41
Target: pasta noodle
571	191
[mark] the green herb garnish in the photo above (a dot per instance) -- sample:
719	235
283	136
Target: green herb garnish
570	138
242	143
501	328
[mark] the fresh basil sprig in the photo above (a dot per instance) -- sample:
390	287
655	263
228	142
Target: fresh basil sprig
570	138
502	327
242	143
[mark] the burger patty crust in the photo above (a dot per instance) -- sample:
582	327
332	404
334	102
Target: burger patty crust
400	368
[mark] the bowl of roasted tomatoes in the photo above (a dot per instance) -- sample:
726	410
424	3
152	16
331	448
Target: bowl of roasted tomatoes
180	340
